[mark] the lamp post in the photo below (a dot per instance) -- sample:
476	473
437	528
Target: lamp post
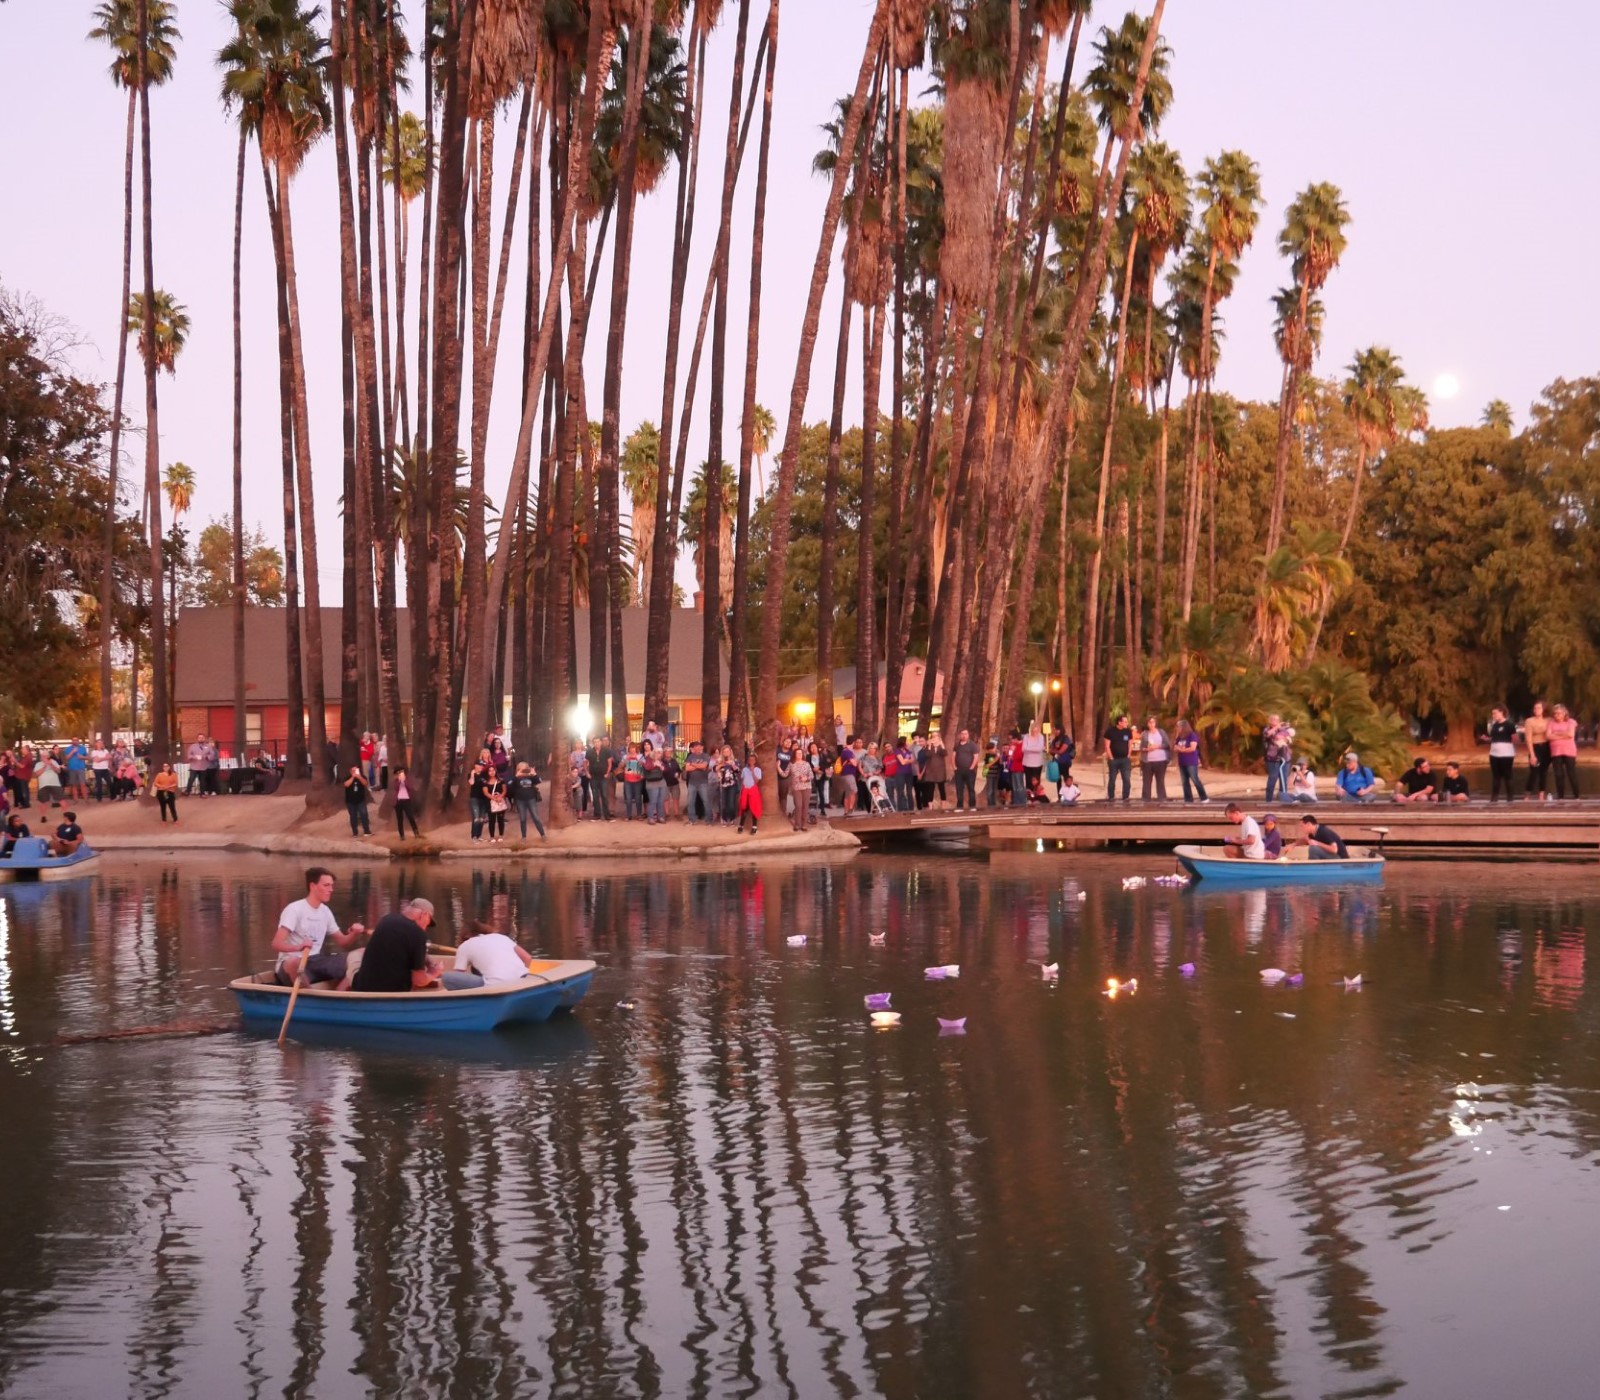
1038	690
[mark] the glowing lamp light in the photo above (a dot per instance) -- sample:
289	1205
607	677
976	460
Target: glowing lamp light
804	709
1037	688
1055	685
580	720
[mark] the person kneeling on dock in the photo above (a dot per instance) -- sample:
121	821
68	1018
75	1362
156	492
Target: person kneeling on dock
304	929
486	959
396	956
1322	842
1247	844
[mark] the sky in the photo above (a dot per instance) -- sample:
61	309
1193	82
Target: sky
1461	132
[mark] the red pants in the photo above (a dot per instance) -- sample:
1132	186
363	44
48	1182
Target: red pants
750	801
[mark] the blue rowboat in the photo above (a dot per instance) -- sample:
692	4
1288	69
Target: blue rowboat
30	859
1213	865
548	988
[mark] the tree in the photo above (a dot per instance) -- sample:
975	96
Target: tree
1313	239
213	582
117	23
272	76
638	465
171	327
1497	415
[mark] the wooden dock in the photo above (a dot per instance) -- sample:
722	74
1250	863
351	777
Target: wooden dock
1567	830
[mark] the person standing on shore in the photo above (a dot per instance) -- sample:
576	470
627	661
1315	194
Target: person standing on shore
1277	741
1536	735
800	777
1118	740
749	793
697	784
525	793
1155	752
100	765
166	786
356	796
1502	752
402	804
1033	756
965	762
1563	735
1187	744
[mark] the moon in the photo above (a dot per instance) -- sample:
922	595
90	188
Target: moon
1446	386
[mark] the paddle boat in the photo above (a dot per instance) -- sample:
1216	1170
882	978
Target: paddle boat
549	987
30	859
1213	864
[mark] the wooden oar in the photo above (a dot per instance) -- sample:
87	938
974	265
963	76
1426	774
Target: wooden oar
294	995
443	950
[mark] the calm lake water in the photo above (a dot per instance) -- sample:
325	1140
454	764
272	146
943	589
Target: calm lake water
1207	1188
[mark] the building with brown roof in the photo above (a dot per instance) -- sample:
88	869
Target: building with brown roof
204	687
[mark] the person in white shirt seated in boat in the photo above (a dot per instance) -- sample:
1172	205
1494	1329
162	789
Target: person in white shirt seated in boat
1247	845
396	956
486	959
305	928
68	837
1322	842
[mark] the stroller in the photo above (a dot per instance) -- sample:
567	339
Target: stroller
879	789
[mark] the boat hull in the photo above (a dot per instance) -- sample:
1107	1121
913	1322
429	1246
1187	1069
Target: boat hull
1210	864
29	860
558	986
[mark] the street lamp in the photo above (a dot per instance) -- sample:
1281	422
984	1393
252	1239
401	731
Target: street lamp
580	720
1038	689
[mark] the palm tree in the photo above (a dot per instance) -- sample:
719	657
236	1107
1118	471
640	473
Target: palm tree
406	166
692	529
117	23
273	77
1497	417
1230	197
638	466
178	485
171	327
765	428
1313	239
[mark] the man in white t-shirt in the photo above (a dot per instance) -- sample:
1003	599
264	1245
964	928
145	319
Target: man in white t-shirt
100	764
305	928
1247	844
486	959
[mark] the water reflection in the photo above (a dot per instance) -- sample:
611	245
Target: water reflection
1206	1188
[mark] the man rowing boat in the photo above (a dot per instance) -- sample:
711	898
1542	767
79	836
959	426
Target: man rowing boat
304	929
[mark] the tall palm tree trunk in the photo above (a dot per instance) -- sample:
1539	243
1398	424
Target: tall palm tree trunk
611	404
872	329
663	548
1113	392
789	461
239	724
160	699
109	538
830	515
738	650
317	725
1158	629
295	733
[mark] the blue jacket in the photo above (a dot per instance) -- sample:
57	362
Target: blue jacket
1353	782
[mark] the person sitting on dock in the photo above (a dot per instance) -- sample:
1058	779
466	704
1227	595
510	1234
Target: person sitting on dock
1355	781
1454	787
1322	842
68	837
304	929
1418	783
1247	845
487	959
396	956
15	830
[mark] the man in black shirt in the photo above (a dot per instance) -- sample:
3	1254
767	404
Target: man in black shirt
396	955
1117	740
966	764
1418	783
1324	842
603	777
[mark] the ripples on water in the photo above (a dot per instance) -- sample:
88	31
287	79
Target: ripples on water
1208	1188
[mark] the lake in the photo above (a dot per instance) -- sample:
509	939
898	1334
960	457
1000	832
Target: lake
717	1178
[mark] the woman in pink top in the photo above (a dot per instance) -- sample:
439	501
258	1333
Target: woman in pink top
1563	735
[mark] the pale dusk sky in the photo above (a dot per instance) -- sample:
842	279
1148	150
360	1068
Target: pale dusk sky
1462	134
